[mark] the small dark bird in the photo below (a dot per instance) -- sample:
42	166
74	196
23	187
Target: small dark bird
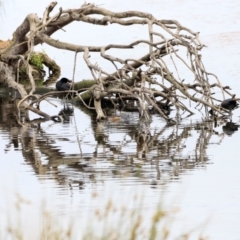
63	84
229	104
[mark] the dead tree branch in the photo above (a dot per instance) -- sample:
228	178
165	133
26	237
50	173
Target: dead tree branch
154	80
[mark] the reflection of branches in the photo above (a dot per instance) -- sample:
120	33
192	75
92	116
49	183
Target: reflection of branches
159	146
203	142
134	152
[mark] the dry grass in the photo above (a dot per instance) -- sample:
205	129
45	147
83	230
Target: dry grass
113	222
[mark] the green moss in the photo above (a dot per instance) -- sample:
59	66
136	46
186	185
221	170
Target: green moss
36	60
40	83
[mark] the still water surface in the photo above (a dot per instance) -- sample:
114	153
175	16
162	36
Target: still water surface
67	163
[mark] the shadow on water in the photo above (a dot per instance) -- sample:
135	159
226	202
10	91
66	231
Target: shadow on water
123	148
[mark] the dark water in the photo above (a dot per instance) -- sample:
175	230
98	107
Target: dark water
76	166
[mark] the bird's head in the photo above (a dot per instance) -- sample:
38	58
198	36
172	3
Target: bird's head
65	80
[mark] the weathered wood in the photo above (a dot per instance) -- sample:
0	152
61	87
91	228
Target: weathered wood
142	79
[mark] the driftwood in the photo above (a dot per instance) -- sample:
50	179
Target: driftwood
148	82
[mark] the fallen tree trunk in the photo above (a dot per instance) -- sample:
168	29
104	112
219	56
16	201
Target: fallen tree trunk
149	81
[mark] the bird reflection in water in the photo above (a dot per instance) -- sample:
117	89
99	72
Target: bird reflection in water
230	128
66	113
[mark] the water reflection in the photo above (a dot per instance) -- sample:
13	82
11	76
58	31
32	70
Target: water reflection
230	128
65	114
127	149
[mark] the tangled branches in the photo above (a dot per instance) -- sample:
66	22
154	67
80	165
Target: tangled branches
152	82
